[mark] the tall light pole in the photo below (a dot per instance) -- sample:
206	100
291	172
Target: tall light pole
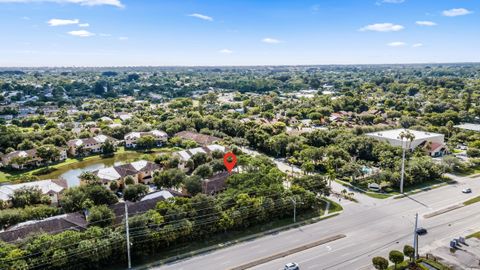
415	238
294	209
127	231
407	137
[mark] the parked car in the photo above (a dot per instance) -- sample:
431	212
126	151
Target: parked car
292	266
421	231
467	190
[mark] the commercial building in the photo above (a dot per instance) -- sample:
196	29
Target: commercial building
431	142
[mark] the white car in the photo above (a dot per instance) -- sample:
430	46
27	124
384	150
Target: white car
291	266
467	190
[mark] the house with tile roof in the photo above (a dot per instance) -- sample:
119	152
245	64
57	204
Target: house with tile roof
185	155
89	145
53	188
131	138
141	171
27	158
201	139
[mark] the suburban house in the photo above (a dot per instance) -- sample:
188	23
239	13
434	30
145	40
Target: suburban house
146	203
141	171
185	155
51	225
201	139
52	188
433	143
89	145
132	137
214	184
27	158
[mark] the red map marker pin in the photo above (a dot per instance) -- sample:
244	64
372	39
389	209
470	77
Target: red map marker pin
229	159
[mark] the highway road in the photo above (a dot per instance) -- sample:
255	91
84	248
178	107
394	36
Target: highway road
373	227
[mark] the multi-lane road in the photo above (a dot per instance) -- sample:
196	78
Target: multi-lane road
372	227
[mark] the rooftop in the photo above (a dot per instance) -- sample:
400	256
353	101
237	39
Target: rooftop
394	134
468	126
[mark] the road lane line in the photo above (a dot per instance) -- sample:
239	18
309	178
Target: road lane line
288	252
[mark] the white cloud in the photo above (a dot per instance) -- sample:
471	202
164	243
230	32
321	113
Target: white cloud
456	12
397	44
104	35
417	45
115	3
426	23
26	18
61	22
271	40
84	24
383	27
81	33
226	51
123	38
201	16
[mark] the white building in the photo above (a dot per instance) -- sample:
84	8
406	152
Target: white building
52	188
90	145
468	126
132	137
434	143
185	155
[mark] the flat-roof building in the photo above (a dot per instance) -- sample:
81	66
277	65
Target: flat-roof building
468	126
433	142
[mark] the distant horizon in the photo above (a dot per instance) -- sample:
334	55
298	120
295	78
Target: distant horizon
246	66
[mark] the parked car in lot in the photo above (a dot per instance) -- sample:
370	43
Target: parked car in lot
421	231
467	190
292	266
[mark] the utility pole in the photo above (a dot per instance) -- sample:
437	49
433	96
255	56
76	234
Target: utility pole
415	237
127	230
294	210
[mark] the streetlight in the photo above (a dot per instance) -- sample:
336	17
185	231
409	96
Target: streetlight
407	137
294	209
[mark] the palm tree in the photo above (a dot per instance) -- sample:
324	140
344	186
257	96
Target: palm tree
407	137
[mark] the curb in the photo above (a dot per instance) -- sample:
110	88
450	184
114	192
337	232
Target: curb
237	241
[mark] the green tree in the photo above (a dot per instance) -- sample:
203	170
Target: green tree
48	153
29	196
193	184
108	148
409	251
396	257
146	142
134	193
101	216
380	263
169	178
203	171
90	178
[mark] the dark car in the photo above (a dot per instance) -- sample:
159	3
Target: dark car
291	266
421	231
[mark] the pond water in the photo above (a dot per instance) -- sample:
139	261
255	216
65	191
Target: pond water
71	172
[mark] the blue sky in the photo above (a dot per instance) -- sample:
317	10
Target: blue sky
237	32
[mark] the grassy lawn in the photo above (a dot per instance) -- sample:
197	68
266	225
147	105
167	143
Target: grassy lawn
474	235
378	195
470	171
4	177
472	201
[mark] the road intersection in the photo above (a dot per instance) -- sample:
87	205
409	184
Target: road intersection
373	227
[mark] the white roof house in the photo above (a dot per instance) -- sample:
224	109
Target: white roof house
185	155
46	186
162	193
467	126
421	137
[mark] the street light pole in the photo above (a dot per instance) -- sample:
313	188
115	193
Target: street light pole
403	170
127	230
415	237
294	210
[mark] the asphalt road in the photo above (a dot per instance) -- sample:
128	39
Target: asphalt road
373	227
